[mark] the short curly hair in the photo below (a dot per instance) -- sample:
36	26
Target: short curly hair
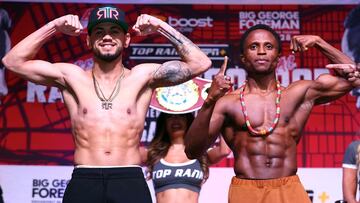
259	27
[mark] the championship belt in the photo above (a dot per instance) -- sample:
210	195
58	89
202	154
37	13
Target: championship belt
183	98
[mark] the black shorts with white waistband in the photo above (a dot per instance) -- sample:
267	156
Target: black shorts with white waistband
107	185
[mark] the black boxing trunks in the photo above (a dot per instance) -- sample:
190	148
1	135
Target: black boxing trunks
107	185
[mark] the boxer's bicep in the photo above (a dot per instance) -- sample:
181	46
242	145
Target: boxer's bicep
41	72
171	73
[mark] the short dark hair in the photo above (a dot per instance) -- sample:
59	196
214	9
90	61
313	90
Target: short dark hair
259	27
353	19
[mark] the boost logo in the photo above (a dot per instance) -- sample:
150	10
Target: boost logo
190	22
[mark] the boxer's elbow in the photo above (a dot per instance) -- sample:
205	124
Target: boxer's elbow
192	153
204	64
11	63
189	153
8	62
200	65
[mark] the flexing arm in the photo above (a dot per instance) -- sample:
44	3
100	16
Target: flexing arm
193	60
302	43
20	59
349	184
325	88
350	71
208	122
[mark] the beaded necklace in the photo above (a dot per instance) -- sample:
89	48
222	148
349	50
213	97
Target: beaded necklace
262	132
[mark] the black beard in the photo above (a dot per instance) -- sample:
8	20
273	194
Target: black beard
107	57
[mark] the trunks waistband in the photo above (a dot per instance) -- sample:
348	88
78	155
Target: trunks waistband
108	172
265	182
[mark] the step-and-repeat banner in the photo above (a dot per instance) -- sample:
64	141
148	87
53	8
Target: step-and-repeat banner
34	124
46	184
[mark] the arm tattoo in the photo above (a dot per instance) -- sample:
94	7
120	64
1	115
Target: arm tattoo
180	42
171	73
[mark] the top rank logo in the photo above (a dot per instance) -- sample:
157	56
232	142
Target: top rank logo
168	51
